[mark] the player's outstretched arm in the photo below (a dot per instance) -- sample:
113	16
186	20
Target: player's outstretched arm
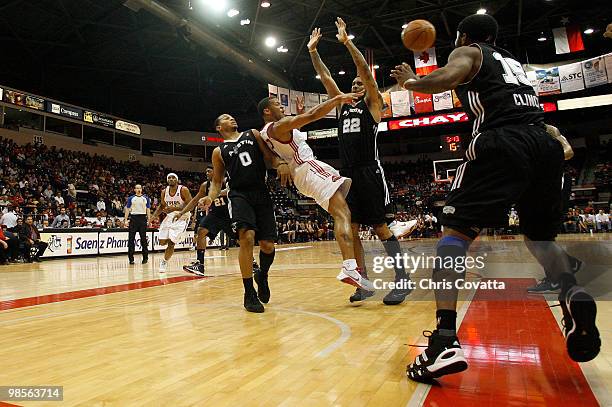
372	95
462	65
193	202
282	128
282	168
330	85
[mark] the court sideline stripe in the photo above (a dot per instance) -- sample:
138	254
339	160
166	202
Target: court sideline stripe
91	292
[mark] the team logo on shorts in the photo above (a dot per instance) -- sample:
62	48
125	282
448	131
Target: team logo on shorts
448	210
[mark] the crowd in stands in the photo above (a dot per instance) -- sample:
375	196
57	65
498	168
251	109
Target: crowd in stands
46	187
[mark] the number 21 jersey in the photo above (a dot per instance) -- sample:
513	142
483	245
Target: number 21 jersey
244	163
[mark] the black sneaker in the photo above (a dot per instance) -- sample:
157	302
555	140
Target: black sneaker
131	261
196	268
263	289
397	295
145	261
581	335
361	295
544	286
443	356
252	304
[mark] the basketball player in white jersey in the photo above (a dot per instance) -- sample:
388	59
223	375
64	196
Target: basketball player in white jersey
173	199
312	177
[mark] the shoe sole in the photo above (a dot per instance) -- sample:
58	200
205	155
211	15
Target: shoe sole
186	269
454	367
345	278
582	341
363	297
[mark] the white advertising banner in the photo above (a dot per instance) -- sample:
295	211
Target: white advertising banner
571	77
443	101
594	71
400	103
70	244
117	242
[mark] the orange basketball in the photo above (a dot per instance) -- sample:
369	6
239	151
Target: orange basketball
419	35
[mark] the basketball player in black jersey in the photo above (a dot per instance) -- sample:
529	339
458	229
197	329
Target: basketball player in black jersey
369	196
216	220
243	156
511	158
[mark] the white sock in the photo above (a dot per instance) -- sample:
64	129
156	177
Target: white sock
349	264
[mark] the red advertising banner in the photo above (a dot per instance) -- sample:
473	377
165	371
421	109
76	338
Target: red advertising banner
423	102
434	120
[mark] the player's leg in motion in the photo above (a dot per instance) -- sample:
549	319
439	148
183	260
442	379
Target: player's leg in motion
245	259
444	354
260	273
350	272
546	284
579	309
393	250
168	252
197	267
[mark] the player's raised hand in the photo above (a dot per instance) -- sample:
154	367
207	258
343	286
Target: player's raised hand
283	173
342	35
315	37
204	203
402	73
349	97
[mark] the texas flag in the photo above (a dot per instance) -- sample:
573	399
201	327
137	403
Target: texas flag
568	39
425	61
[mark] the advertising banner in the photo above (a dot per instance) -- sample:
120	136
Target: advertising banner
297	102
443	101
400	103
272	90
571	77
312	99
283	97
422	102
23	99
429	120
117	242
98	119
70	244
127	127
548	81
594	72
386	110
64	110
323	97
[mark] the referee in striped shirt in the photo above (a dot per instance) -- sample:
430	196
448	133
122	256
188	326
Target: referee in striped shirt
138	208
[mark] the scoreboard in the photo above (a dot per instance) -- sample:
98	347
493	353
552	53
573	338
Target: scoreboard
451	143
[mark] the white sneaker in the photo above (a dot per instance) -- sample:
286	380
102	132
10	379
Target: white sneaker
353	277
401	229
163	265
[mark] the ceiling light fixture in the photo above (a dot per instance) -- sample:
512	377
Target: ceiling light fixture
482	11
270	42
233	13
246	21
265	4
542	38
341	72
282	49
589	31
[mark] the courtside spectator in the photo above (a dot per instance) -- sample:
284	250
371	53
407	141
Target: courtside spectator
9	219
61	219
30	238
602	220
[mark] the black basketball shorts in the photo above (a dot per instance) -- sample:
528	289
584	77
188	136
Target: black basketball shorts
369	196
519	165
253	210
215	224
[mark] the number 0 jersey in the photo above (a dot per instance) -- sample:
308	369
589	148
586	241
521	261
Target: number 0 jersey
244	163
357	135
500	94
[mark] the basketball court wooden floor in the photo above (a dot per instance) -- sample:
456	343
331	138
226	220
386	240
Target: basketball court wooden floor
118	335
